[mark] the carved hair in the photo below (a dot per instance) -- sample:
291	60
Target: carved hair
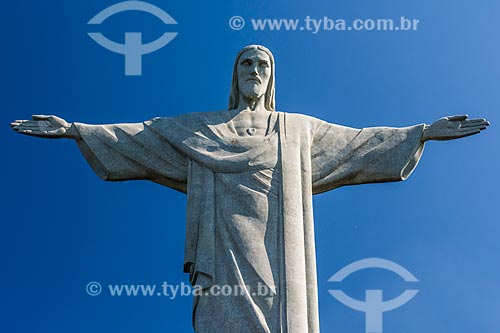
234	97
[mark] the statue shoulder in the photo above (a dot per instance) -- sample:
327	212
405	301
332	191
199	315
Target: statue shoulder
302	120
193	121
193	117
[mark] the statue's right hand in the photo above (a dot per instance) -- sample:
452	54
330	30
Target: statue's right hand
50	127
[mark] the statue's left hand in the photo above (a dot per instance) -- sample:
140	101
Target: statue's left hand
454	127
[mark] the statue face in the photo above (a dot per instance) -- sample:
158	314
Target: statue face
254	71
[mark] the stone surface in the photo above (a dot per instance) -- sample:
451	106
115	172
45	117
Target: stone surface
249	174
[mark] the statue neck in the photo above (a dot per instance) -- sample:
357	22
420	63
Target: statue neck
251	104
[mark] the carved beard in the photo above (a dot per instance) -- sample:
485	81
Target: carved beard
252	90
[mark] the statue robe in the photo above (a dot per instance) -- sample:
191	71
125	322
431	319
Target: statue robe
249	217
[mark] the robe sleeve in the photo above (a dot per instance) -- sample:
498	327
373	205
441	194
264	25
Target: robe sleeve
347	156
132	151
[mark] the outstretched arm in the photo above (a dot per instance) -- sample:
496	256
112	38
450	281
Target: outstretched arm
49	127
453	127
117	152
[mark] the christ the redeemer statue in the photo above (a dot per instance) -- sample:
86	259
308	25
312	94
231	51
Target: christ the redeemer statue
249	173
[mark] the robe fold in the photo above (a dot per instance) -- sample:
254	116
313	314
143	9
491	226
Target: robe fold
249	217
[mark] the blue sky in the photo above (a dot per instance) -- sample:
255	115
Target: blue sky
63	227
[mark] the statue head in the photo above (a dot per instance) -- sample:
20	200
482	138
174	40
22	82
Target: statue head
251	64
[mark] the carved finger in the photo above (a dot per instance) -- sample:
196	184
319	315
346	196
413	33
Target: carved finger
473	125
469	133
477	122
27	127
37	133
457	118
481	126
40	117
17	123
21	128
30	124
477	119
37	123
59	131
472	122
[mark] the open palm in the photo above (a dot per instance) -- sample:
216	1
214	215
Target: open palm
454	127
51	127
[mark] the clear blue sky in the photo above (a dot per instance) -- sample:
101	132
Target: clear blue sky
63	227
